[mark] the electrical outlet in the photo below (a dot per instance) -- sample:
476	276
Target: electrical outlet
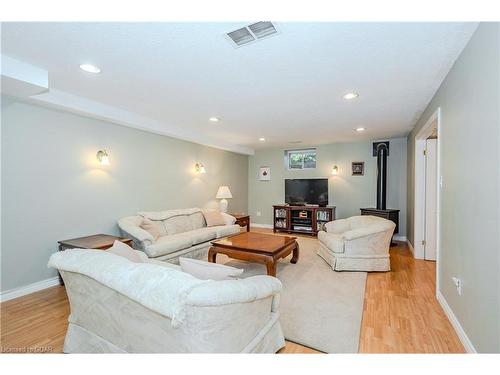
258	213
458	285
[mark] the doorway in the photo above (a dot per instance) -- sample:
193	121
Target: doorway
427	181
430	215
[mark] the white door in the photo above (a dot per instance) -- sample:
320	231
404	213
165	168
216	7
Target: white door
430	199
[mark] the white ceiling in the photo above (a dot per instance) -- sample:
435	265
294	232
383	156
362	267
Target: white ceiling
285	88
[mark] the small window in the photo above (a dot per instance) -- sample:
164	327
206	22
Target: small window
301	159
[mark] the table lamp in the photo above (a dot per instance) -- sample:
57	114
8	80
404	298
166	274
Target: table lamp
223	193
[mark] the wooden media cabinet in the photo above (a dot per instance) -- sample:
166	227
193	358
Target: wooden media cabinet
301	219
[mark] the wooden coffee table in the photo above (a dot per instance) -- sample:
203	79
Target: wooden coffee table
256	247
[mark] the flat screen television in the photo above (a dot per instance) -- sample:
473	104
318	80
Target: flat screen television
301	191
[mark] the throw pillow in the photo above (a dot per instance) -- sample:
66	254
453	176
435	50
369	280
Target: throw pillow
213	218
208	271
122	249
150	227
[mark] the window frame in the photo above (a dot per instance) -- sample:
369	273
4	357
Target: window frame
304	152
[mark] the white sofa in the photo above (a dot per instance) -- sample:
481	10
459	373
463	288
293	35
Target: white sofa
358	243
119	306
183	232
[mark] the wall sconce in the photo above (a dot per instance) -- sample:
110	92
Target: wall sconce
199	168
335	170
103	157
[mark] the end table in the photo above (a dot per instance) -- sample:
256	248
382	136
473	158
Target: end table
97	241
242	220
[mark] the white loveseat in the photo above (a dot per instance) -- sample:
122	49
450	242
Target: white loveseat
119	306
358	243
183	232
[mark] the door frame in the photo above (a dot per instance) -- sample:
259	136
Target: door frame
419	181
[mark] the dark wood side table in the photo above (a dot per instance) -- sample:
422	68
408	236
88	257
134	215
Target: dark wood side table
242	220
389	214
97	241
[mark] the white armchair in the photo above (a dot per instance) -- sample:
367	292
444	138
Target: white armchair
358	243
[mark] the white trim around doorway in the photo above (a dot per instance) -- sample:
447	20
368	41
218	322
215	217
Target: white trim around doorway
419	182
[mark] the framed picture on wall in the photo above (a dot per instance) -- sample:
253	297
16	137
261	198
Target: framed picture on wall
358	168
265	174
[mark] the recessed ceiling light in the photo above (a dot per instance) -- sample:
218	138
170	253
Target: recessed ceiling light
262	139
359	130
89	68
351	95
214	119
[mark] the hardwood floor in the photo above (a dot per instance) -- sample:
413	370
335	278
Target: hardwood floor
38	320
401	314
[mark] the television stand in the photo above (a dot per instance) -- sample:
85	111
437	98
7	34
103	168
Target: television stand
301	219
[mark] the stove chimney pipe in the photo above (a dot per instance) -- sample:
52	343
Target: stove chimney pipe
382	150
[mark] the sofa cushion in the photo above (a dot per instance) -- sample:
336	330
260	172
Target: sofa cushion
226	230
167	214
169	244
178	224
197	220
161	226
162	263
213	218
208	271
123	250
202	235
151	227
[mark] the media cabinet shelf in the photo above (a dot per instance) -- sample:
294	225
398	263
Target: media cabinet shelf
298	219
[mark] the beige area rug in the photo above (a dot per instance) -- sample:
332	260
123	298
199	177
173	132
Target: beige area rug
319	308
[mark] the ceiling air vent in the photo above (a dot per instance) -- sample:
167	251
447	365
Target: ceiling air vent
251	33
241	36
262	29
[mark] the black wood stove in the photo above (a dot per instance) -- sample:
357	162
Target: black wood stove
381	151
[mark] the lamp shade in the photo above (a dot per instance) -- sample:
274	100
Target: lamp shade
223	192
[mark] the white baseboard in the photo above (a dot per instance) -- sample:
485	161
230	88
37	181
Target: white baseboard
469	348
28	289
268	226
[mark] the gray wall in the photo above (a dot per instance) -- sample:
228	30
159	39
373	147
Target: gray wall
348	193
54	189
470	246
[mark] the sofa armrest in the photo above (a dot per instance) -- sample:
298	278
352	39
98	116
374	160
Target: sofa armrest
338	226
366	231
130	229
334	242
139	235
226	316
228	219
227	292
